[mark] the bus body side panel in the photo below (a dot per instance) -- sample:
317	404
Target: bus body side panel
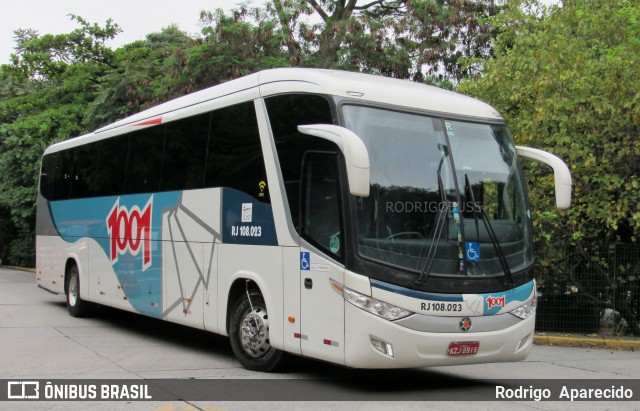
53	253
50	263
291	299
50	250
116	242
262	265
101	276
191	238
182	281
322	307
157	254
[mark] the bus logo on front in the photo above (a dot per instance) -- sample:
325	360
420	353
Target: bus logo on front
130	231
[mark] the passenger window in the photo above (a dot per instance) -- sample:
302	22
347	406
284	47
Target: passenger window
48	175
85	168
185	153
216	149
320	211
144	162
63	175
234	156
112	153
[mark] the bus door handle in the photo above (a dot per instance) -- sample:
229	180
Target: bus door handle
308	283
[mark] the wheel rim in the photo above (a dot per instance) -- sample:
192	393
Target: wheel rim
254	332
73	290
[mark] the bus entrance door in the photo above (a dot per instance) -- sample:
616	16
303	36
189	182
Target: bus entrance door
322	308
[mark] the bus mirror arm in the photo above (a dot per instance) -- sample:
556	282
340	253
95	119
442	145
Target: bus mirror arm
352	147
562	175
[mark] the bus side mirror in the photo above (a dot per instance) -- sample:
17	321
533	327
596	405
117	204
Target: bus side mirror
355	154
562	175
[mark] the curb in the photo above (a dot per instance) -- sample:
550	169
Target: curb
587	342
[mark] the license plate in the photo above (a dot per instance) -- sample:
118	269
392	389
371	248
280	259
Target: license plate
463	348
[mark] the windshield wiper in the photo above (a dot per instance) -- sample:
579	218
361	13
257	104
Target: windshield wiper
492	234
443	210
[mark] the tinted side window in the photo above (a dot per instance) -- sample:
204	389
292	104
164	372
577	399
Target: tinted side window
286	113
113	162
234	157
144	161
217	149
185	153
48	175
62	175
86	168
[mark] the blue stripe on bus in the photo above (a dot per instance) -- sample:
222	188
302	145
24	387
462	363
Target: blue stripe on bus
244	221
88	218
493	303
414	293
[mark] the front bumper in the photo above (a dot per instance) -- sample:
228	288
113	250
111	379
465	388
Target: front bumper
413	349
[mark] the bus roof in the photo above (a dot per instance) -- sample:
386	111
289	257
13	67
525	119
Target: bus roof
349	85
386	90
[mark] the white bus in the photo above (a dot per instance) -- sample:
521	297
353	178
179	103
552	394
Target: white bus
351	218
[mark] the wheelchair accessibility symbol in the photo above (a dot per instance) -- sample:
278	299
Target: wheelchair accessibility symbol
305	258
473	251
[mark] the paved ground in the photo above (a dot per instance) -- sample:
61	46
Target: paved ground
39	340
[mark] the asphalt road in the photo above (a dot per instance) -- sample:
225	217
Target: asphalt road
39	340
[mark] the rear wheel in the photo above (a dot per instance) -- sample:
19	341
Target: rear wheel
75	304
249	334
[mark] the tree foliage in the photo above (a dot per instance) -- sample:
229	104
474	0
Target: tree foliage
43	97
567	80
570	84
413	39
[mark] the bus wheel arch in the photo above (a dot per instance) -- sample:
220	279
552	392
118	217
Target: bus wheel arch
67	266
248	327
75	304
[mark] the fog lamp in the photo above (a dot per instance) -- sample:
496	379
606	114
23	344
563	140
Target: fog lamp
383	347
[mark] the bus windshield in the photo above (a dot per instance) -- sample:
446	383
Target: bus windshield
447	197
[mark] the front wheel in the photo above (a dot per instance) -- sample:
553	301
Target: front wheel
75	304
249	334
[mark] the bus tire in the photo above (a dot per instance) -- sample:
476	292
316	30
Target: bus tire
249	334
75	304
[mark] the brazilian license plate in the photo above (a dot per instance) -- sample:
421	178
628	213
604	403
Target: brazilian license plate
463	348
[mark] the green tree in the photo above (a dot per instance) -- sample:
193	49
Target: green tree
235	44
169	64
399	38
138	77
44	94
567	80
394	38
437	36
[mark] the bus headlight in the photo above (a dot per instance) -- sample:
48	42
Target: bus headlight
525	311
380	308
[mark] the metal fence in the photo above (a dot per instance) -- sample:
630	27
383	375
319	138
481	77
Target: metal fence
589	288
